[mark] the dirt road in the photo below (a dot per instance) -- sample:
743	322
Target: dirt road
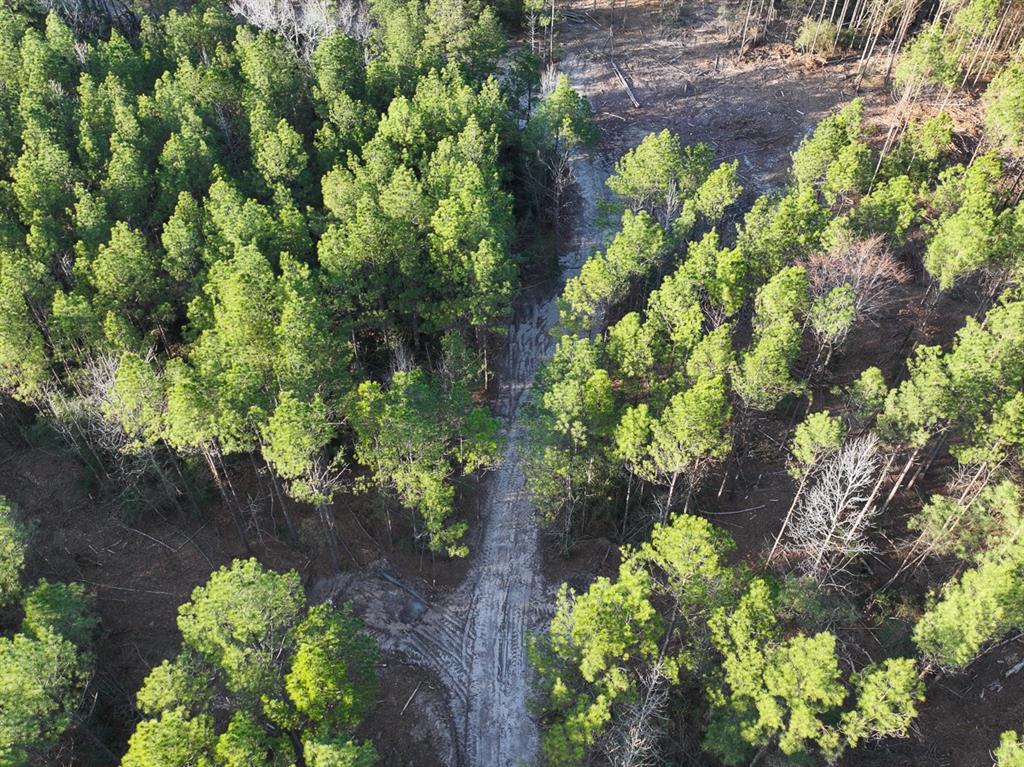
505	577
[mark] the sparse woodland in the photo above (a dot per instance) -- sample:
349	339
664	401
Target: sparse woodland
257	261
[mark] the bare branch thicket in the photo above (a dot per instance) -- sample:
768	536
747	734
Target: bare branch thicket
84	414
633	740
402	357
91	17
304	23
867	266
830	527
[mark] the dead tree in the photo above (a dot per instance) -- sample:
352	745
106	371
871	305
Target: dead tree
304	24
829	528
93	17
633	739
865	265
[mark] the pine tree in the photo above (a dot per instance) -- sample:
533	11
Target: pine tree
296	680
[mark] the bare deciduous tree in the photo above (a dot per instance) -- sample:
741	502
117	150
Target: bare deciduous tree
305	23
89	17
829	529
633	741
867	266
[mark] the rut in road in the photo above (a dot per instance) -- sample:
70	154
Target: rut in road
473	639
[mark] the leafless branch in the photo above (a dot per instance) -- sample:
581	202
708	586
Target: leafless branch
305	23
633	740
829	529
867	266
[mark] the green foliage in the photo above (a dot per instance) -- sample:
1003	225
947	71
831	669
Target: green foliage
833	315
278	153
42	679
64	609
890	209
850	173
672	609
163	204
825	154
779	230
413	436
562	119
887	697
713	355
763	378
136	401
581	663
929	60
866	396
240	622
570	423
179	683
331	679
1004	108
974	609
922	149
1010	752
634	252
296	435
972	389
674	311
817	436
951	526
791	693
23	359
974	234
297	680
45	667
687	557
12	553
816	36
173	740
721	273
600	642
631	347
659	175
340	754
690	433
720	189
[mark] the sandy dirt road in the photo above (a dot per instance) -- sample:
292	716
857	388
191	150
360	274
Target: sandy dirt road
505	577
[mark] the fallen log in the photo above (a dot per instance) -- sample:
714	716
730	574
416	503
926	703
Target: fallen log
625	85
